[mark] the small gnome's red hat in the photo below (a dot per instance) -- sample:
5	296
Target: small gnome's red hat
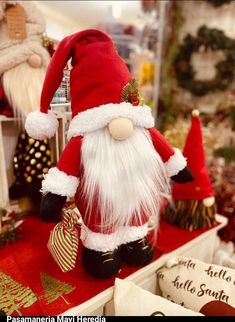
97	80
200	188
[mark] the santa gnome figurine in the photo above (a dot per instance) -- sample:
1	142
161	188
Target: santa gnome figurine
23	61
23	64
116	163
194	202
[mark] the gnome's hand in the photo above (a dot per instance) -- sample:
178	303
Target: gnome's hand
51	206
183	176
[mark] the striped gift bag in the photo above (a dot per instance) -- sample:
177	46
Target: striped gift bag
63	241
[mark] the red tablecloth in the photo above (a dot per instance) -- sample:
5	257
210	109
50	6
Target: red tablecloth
31	283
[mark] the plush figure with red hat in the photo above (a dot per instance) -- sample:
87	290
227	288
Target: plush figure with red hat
194	201
23	65
116	163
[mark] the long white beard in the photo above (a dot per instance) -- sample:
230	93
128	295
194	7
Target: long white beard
125	177
22	86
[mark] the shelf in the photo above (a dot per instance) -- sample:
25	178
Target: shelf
4	118
59	104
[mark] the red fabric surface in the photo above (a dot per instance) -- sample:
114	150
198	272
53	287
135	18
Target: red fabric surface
28	257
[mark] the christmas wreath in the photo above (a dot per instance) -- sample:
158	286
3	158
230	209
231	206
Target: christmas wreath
218	3
209	39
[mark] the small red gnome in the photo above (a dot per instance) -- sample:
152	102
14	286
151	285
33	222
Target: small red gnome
194	201
116	163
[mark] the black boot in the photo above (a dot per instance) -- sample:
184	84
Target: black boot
101	265
137	253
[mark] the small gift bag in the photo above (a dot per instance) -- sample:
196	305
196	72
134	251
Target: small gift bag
64	239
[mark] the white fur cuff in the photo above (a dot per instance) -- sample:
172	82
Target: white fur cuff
98	117
41	126
108	242
60	183
176	163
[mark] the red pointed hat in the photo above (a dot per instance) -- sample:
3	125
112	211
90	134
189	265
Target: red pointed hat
97	80
200	188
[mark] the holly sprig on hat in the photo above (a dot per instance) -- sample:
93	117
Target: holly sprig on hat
48	44
130	92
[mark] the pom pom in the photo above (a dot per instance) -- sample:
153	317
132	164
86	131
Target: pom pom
41	126
208	202
195	113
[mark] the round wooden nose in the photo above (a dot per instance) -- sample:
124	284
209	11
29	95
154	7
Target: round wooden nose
120	128
35	61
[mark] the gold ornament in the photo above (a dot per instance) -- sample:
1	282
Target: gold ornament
48	152
23	136
44	159
28	168
15	159
29	179
42	148
33	161
141	101
33	172
45	170
39	166
39	176
49	163
31	151
31	141
38	155
27	158
37	144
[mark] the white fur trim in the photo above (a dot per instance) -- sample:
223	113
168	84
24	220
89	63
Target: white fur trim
108	242
132	233
176	163
98	117
41	126
60	183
